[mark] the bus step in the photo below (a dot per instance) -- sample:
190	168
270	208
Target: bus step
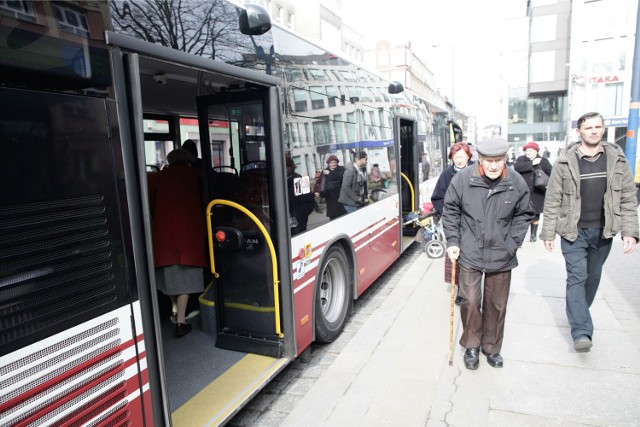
272	347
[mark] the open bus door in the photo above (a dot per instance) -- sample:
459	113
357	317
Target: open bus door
248	238
406	132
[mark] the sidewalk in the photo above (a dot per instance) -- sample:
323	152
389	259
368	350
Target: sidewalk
394	371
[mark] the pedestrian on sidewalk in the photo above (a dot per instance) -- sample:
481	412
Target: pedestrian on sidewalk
591	196
526	166
486	215
460	155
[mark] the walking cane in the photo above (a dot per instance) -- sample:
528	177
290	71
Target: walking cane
453	287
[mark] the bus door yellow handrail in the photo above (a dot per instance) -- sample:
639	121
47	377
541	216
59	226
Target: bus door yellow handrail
274	264
413	196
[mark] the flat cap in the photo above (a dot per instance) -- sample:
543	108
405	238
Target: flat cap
492	147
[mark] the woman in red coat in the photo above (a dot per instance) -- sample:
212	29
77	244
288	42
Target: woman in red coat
178	229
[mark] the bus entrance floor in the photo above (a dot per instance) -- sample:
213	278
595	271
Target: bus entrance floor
391	365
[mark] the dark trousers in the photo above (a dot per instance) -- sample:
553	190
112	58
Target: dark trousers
483	313
584	259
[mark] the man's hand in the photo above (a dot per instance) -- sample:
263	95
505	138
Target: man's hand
628	244
453	252
536	161
549	244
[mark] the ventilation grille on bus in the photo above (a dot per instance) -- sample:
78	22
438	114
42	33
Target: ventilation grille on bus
80	380
56	266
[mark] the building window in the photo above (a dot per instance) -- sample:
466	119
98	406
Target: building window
610	99
300	100
545	109
321	131
332	94
22	10
279	12
542	66
317	97
290	20
543	28
71	20
318	74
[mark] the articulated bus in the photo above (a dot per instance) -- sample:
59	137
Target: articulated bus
93	95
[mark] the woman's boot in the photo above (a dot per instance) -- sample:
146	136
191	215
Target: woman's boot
534	233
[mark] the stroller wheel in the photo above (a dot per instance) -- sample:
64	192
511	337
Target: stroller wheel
434	249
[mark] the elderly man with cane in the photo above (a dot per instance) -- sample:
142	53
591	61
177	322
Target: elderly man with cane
486	216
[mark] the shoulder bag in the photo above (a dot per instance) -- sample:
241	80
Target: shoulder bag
540	179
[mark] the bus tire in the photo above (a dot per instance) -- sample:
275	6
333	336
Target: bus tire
333	295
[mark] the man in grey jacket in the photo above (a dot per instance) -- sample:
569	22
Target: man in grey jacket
353	193
485	218
590	197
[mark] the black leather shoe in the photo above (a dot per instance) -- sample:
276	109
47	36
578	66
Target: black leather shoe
472	358
494	360
183	329
459	300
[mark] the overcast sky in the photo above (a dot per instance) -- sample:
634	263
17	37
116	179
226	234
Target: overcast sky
473	29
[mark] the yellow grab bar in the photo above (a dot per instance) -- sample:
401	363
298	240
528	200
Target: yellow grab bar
274	266
413	203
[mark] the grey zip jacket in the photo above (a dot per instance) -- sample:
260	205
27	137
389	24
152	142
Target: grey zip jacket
562	200
487	224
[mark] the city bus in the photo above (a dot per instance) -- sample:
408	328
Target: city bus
93	96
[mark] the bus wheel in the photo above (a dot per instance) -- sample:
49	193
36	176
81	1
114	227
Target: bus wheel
333	295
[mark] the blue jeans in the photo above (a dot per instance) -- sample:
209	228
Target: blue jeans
584	259
350	208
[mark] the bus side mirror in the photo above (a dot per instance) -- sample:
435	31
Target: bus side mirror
395	87
254	21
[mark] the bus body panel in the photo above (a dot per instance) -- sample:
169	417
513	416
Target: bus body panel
87	372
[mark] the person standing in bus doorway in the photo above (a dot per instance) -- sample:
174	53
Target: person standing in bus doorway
330	187
591	196
353	193
460	155
486	215
526	166
178	231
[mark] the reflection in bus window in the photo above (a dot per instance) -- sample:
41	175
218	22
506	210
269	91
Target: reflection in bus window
300	100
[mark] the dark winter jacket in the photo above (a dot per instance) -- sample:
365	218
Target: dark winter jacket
562	201
524	166
437	197
330	190
487	224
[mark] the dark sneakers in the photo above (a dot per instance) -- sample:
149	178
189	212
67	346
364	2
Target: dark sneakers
182	329
472	358
494	360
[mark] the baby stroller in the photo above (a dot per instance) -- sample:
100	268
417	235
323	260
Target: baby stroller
428	222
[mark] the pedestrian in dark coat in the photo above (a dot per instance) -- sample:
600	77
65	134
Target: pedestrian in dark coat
526	165
460	155
300	204
485	218
330	187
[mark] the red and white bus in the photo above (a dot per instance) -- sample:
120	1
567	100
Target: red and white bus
93	95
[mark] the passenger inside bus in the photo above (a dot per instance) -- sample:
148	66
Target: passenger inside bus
178	231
